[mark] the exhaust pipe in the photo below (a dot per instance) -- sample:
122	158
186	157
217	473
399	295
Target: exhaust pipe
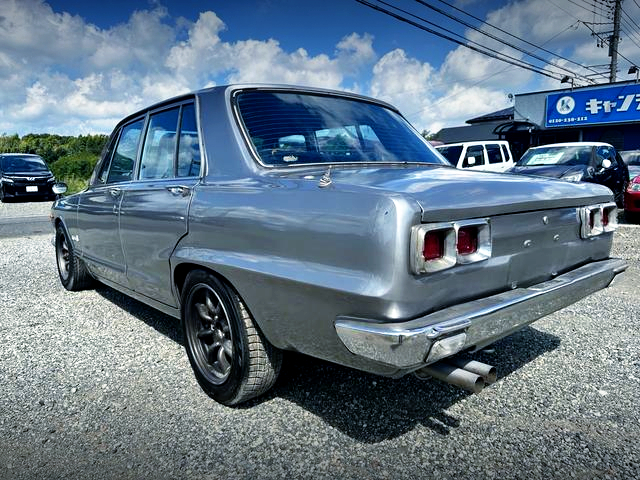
468	374
453	375
487	372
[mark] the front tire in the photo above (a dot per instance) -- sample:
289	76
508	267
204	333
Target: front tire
232	360
73	272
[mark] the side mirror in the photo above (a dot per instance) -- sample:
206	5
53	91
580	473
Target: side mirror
471	161
606	163
59	188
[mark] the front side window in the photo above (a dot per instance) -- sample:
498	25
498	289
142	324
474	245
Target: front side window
299	128
474	156
124	157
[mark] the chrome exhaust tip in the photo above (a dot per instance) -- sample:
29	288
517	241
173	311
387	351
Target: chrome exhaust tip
452	375
468	374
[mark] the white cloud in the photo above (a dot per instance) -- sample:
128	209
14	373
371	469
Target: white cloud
61	74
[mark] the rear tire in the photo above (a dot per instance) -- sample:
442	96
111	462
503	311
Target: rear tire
73	272
232	360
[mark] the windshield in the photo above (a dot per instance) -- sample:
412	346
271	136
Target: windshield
23	164
566	155
295	128
451	153
631	158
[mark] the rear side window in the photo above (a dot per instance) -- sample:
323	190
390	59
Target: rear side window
505	153
188	144
493	153
474	156
160	145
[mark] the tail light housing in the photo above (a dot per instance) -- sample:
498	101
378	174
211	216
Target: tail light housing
438	246
598	219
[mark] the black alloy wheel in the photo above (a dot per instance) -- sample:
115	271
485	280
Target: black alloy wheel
232	360
73	273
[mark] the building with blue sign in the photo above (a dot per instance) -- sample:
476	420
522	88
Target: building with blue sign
602	113
607	113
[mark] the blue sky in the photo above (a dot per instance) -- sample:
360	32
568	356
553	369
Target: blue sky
72	67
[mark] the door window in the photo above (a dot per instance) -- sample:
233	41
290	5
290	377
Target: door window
493	153
159	148
475	151
188	144
125	155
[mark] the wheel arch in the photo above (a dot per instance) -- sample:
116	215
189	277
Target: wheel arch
181	271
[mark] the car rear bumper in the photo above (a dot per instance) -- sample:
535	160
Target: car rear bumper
471	325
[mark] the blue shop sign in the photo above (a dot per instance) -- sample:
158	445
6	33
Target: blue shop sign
588	107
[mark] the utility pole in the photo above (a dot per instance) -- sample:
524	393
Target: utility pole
614	39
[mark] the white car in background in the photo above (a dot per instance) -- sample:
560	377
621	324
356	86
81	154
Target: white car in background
490	155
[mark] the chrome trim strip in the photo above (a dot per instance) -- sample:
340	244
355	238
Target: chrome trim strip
407	344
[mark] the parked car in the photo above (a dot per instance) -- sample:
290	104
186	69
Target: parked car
593	162
632	199
272	218
491	156
632	159
24	176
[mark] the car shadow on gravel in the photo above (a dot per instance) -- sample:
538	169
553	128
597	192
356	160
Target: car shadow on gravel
163	323
366	407
371	409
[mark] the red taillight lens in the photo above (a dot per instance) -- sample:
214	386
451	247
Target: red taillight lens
605	217
467	240
592	219
433	245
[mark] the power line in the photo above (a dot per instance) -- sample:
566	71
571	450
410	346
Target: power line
494	37
468	44
605	41
583	7
635	24
499	72
517	37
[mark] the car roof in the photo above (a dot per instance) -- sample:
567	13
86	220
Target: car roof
475	142
255	86
576	144
18	155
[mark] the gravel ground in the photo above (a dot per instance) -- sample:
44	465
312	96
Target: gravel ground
95	385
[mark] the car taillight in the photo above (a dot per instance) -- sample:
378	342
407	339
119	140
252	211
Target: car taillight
598	219
433	245
438	246
467	240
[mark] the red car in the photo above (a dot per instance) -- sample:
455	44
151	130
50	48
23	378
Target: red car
632	198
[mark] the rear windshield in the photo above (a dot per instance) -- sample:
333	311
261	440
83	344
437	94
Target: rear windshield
23	164
631	158
451	153
566	155
294	129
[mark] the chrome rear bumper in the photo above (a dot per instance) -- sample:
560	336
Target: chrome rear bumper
475	324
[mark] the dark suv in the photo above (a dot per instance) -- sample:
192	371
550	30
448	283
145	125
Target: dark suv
24	175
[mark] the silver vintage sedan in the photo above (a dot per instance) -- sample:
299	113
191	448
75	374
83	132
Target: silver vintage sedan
273	218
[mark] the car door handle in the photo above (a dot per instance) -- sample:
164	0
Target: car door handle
114	192
179	190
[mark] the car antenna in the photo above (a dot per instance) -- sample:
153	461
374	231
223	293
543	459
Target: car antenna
325	180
